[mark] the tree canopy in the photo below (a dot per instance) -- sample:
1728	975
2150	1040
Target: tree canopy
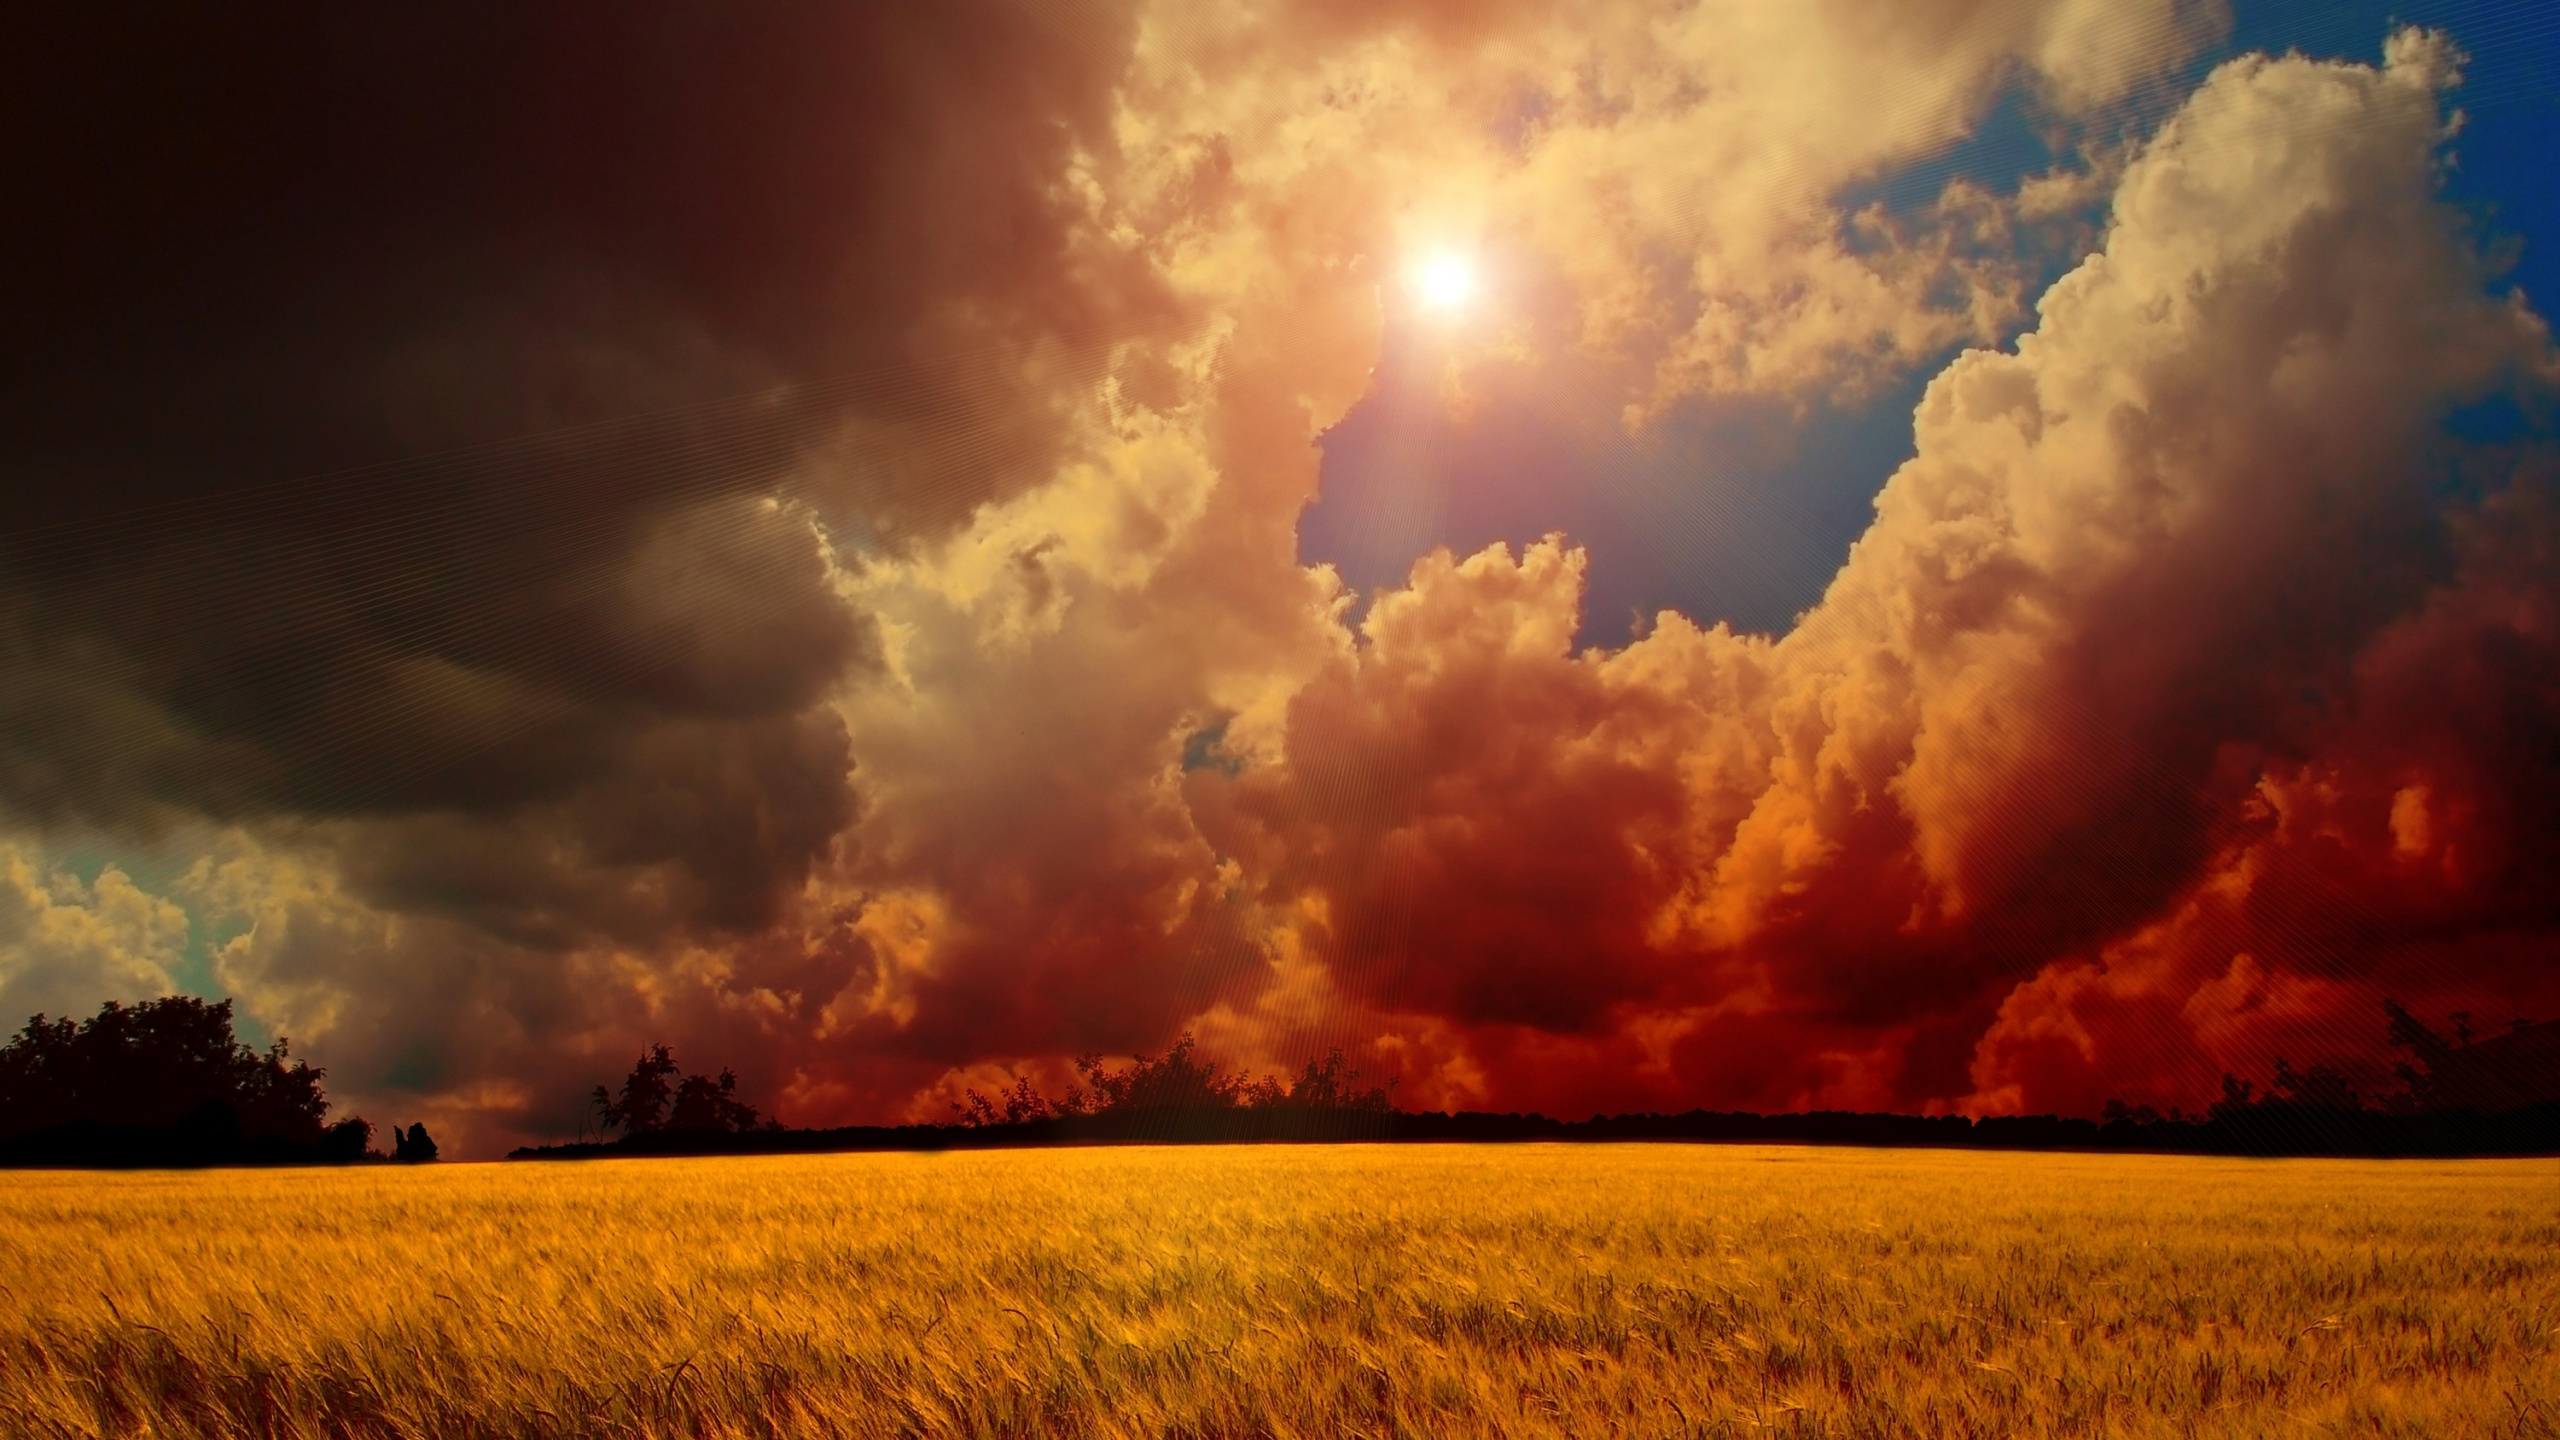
659	1097
160	1063
1179	1079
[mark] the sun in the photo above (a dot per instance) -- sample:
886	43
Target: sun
1446	281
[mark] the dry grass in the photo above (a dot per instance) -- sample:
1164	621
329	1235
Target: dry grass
1437	1291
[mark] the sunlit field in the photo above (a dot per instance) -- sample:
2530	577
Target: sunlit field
1317	1291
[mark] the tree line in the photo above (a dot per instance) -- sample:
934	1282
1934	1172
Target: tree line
2458	1098
168	1082
2517	1070
657	1098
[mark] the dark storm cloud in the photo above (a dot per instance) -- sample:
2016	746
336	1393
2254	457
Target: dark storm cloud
255	254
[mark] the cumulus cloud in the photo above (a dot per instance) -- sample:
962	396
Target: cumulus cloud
1066	821
2400	857
962	705
1656	183
67	944
2090	629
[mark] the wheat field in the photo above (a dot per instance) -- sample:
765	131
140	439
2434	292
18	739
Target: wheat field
1291	1291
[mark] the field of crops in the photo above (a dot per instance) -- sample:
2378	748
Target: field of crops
1316	1291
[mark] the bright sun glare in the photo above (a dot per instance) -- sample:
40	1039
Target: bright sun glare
1445	282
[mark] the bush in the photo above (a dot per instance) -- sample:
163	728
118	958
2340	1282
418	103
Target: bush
413	1146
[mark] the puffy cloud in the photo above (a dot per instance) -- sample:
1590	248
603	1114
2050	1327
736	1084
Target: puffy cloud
1658	183
66	944
1072	680
2114	604
2195	489
963	706
2401	857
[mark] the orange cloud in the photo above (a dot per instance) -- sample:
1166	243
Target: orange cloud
2166	716
2050	678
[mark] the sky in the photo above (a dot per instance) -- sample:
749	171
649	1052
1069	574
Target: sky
1950	557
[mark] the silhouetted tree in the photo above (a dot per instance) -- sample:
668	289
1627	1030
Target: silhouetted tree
2236	1096
705	1103
657	1096
2410	1033
2322	1086
2428	1053
156	1064
1177	1080
1332	1084
349	1139
642	1105
1016	1106
415	1146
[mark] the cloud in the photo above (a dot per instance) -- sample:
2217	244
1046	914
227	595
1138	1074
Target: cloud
961	705
644	310
2087	633
68	944
1657	183
2400	858
1070	677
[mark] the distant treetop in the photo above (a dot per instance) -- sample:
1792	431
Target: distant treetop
656	1096
1178	1080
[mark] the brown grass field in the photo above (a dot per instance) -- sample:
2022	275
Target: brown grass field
1307	1291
